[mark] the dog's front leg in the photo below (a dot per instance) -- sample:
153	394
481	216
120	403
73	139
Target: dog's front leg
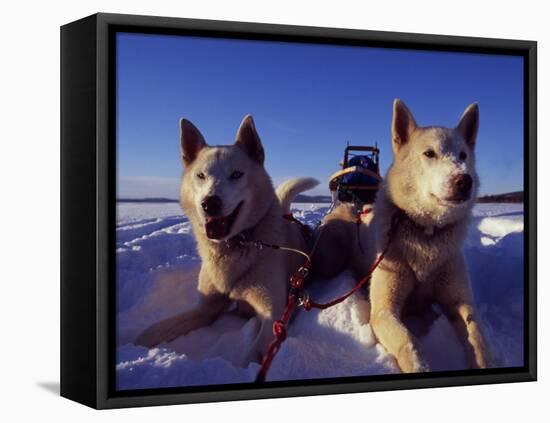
202	314
467	325
268	305
390	287
454	294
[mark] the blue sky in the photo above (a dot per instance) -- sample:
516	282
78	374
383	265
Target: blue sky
307	101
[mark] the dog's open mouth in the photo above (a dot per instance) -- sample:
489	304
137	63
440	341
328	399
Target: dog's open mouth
219	227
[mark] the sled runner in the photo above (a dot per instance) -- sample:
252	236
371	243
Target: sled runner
359	179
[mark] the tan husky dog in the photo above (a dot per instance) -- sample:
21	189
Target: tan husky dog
229	199
431	186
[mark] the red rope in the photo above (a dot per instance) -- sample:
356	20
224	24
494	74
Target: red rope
279	326
358	219
296	296
309	304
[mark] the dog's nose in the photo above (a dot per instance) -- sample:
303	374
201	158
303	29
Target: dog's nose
212	205
463	184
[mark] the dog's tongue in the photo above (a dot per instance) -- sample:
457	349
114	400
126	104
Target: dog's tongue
216	228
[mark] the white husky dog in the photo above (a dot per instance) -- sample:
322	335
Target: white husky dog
229	198
431	188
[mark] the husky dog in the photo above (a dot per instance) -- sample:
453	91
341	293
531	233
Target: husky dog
230	201
430	190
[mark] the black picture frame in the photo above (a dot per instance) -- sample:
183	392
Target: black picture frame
88	153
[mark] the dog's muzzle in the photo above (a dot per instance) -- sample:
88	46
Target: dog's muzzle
461	186
218	227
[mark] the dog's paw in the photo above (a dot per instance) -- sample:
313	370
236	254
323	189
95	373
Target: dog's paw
479	354
481	360
409	360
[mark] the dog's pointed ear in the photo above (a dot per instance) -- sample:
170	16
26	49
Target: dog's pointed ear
469	124
403	124
191	141
248	139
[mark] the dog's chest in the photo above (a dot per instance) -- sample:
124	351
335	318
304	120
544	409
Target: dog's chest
425	251
226	269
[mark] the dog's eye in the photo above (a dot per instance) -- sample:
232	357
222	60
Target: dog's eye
201	175
430	154
462	155
237	174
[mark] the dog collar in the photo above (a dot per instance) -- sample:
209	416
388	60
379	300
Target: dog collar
427	230
242	238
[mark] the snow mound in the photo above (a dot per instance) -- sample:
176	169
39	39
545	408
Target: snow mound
163	368
157	268
494	229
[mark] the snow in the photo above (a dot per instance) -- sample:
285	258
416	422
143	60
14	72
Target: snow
157	266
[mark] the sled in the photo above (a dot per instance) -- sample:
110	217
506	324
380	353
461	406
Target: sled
359	179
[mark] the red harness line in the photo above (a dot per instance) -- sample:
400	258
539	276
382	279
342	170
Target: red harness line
279	326
361	214
296	297
308	304
358	221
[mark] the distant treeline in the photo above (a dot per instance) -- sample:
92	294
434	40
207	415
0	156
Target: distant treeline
146	200
301	198
509	197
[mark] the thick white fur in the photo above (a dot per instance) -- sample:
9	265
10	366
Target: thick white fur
425	262
256	279
288	190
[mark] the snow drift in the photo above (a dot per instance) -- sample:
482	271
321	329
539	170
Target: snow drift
157	266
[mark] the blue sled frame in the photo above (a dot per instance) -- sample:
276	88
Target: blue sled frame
88	156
